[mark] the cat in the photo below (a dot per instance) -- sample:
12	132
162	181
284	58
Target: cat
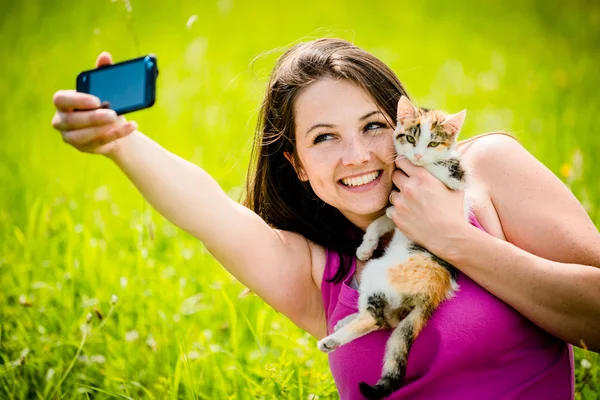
402	288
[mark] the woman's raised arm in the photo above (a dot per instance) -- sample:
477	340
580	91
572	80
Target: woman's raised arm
276	265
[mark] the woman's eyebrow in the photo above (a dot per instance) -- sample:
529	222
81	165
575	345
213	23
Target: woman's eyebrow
315	126
319	126
370	114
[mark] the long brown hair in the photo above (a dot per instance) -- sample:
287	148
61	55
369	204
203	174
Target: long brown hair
273	189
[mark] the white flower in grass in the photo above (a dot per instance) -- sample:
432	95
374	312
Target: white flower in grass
585	364
150	342
215	348
187	253
98	359
24	301
132	336
49	374
191	21
254	355
84	359
193	355
114	299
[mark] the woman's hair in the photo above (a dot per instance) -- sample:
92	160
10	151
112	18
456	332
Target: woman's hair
273	189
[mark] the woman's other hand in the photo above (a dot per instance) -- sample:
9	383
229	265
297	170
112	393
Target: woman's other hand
90	129
425	210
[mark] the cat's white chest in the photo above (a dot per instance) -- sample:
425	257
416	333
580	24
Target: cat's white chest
375	276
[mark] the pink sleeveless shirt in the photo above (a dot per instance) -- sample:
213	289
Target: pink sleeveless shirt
475	346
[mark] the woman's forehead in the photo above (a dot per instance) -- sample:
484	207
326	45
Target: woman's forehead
330	101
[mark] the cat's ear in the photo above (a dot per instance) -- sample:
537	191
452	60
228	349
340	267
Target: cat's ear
406	111
299	170
453	123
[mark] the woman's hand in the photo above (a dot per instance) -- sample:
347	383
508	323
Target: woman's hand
90	129
425	210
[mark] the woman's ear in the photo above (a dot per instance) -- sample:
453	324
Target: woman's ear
299	170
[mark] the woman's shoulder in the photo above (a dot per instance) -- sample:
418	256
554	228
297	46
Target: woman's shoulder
486	156
480	150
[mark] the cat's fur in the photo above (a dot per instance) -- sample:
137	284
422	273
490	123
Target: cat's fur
402	288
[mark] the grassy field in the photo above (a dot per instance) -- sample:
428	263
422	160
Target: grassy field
101	297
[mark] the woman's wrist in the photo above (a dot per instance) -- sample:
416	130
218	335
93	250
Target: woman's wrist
453	247
120	146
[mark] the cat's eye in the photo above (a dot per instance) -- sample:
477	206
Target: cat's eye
410	139
433	144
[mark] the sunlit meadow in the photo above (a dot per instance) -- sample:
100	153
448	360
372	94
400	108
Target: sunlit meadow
102	297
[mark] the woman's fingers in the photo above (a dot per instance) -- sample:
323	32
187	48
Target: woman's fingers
69	100
69	121
405	165
88	139
104	58
393	196
399	178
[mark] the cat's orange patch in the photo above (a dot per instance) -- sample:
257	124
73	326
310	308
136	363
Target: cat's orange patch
421	275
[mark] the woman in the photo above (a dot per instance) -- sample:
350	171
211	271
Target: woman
323	170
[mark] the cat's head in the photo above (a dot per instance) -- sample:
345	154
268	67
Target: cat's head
426	136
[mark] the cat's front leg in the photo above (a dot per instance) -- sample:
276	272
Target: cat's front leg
344	321
362	324
375	230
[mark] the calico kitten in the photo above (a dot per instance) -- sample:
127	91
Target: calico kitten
402	288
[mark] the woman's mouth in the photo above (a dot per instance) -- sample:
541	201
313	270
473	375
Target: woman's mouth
365	181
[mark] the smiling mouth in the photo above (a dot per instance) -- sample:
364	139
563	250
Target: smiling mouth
360	180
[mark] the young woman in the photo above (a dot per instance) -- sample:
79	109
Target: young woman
323	170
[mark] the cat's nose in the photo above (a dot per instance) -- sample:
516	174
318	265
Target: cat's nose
418	156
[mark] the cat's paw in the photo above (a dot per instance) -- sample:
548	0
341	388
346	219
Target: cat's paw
366	249
344	321
328	344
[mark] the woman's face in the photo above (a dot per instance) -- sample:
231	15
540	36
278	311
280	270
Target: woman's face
345	146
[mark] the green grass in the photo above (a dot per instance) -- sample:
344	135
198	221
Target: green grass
74	231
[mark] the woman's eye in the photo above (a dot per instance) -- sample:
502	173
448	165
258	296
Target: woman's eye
322	137
410	139
374	126
433	144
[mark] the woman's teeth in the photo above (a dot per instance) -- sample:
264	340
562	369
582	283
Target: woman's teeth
361	180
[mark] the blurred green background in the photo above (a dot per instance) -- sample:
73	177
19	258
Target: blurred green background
74	231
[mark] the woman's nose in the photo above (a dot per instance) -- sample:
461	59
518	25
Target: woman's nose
357	152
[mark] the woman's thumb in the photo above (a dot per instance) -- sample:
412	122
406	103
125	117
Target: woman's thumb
104	59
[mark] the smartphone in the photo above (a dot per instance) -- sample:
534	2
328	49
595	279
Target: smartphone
124	87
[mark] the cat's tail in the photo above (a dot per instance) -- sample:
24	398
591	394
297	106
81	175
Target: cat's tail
396	355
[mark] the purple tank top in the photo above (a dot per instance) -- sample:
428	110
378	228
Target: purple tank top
475	346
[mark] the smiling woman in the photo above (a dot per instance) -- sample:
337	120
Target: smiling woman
322	171
348	161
